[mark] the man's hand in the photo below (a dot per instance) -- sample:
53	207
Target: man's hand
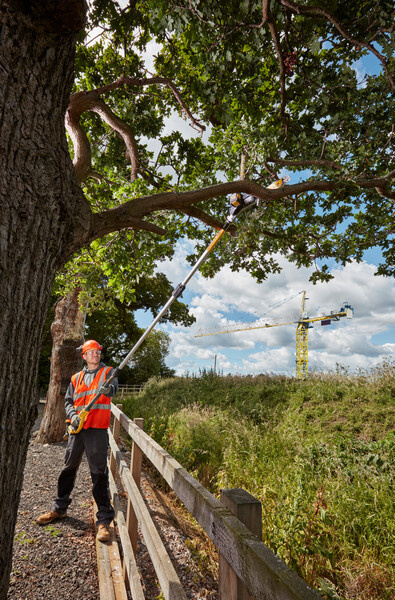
75	421
106	389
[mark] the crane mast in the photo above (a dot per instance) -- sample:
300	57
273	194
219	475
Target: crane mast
302	343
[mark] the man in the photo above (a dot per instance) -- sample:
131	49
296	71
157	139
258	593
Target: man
93	439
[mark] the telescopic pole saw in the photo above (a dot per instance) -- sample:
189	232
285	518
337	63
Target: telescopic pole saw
239	203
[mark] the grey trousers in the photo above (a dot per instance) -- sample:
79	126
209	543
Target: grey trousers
94	442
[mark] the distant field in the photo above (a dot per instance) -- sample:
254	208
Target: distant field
318	454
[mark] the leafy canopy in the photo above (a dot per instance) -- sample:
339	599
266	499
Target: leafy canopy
279	82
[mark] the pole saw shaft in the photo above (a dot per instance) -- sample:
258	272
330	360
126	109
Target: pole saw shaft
176	293
238	203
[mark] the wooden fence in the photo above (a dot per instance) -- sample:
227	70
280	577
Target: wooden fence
124	389
248	570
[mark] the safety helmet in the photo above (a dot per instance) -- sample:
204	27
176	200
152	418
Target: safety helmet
89	345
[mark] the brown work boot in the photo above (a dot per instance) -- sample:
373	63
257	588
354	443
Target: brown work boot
50	516
103	532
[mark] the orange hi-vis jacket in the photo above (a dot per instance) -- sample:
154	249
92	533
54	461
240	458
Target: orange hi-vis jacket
99	415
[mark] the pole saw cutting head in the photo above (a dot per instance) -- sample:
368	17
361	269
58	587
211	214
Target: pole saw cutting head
239	202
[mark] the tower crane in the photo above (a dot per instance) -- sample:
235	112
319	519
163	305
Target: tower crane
302	332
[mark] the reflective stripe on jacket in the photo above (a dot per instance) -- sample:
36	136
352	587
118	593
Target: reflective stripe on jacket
99	415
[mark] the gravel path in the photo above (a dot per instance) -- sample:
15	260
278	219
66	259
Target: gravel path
58	561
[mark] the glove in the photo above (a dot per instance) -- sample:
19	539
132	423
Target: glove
75	421
106	389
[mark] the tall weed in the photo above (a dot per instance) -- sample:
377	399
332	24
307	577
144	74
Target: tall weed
318	454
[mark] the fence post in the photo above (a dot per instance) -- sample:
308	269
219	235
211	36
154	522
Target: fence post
249	511
135	469
115	432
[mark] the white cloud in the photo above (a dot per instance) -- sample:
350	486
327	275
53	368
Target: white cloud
269	361
148	57
230	298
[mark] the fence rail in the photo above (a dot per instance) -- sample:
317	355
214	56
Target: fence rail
259	574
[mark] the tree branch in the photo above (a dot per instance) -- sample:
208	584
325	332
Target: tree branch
197	213
277	45
124	131
385	193
131	214
115	220
305	163
90	101
318	11
123	81
267	18
83	101
79	102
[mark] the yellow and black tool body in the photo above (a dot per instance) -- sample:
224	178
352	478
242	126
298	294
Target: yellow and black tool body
84	413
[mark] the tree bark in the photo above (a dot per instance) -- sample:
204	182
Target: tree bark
43	212
67	333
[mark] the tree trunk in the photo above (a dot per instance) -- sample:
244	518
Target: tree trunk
43	214
67	332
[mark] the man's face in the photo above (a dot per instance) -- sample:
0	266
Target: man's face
92	358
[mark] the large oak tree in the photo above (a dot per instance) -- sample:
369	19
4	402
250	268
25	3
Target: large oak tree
272	79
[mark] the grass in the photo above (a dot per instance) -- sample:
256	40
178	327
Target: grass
24	539
53	532
318	454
